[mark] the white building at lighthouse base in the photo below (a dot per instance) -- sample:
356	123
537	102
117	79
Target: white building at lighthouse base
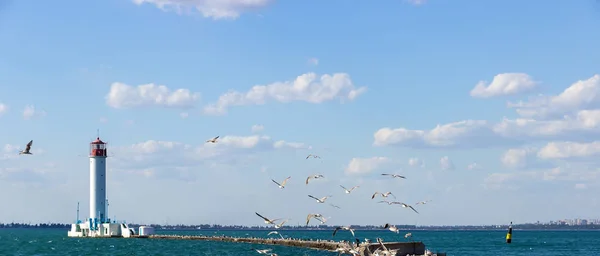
94	229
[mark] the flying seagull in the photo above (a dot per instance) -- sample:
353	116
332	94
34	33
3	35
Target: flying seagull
267	221
320	200
317	176
333	205
313	156
349	190
275	233
27	149
213	140
280	224
282	184
386	194
394	175
388	202
408	206
423	202
264	251
408	235
313	215
391	228
344	228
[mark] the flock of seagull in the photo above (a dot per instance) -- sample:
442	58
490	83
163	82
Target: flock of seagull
349	248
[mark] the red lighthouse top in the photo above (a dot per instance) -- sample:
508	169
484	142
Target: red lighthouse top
98	148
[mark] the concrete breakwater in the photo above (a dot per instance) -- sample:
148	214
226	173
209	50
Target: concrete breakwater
329	245
401	248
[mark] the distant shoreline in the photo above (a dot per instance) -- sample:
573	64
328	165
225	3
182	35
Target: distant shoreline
205	227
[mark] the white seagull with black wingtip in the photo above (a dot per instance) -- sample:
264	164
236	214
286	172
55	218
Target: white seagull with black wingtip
27	150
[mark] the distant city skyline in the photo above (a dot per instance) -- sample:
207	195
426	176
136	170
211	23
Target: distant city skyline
492	119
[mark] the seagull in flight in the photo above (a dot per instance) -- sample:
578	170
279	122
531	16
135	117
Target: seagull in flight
280	224
275	233
320	200
344	228
349	190
407	206
27	149
386	194
391	228
333	205
313	156
317	216
267	220
317	176
388	202
408	235
213	140
423	202
282	184
264	251
394	175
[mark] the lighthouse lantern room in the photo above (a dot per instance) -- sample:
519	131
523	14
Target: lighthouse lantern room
98	224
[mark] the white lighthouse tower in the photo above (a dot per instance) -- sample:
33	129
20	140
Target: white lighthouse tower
98	224
98	181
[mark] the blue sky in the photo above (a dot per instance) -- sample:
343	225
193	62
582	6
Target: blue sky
387	82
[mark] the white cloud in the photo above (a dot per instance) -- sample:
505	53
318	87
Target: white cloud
517	157
473	166
416	2
3	108
216	9
416	162
482	133
125	96
581	95
563	150
257	128
503	85
366	165
557	174
30	112
103	120
184	115
307	87
181	154
580	186
446	163
313	61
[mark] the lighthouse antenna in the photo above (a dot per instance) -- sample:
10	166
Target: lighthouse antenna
98	133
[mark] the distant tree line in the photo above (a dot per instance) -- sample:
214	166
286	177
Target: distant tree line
324	227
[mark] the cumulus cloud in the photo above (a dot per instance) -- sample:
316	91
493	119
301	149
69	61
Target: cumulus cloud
416	2
366	165
446	163
503	85
216	9
473	166
576	174
3	108
30	112
416	162
564	150
180	157
307	88
257	128
518	157
126	96
581	95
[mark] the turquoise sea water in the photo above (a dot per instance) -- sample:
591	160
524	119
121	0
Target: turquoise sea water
45	242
